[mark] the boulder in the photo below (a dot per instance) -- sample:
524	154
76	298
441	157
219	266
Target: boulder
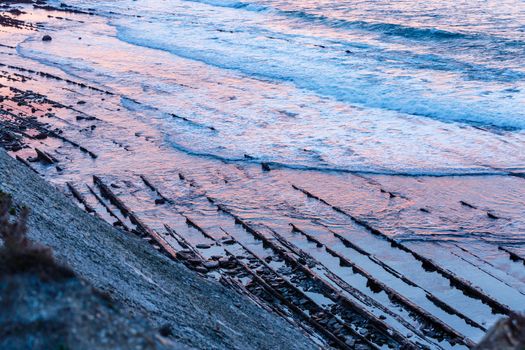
506	334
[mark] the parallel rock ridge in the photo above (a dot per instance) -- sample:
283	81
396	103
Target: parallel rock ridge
349	260
46	306
122	293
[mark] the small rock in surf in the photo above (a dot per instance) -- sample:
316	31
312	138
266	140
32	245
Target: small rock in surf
265	167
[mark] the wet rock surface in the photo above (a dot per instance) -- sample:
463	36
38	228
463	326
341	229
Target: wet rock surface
68	313
142	283
506	334
354	260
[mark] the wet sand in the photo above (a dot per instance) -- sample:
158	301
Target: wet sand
351	258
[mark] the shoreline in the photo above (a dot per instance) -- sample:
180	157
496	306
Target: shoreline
351	259
144	283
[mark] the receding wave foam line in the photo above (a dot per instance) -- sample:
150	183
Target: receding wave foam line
426	61
279	165
508	117
134	105
379	95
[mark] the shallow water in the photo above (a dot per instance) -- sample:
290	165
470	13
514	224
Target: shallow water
387	87
373	117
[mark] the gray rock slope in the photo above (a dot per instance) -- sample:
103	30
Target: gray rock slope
144	284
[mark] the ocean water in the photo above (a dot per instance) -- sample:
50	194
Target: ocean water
337	96
435	87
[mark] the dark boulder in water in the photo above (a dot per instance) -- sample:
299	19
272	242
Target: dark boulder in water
265	166
506	334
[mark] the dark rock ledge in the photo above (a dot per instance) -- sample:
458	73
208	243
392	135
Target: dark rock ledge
117	292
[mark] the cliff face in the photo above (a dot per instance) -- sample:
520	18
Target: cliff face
506	334
44	305
146	290
67	313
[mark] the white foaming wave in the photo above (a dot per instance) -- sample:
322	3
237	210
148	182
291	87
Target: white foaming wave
234	4
338	77
380	151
